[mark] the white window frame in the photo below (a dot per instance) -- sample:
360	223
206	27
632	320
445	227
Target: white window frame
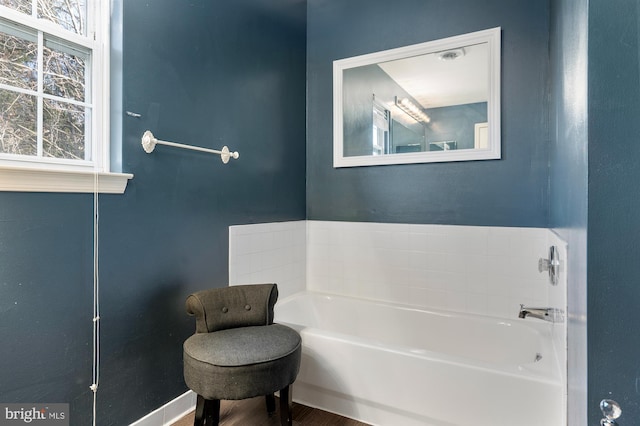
40	174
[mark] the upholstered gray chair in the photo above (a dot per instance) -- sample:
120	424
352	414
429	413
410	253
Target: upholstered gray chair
238	352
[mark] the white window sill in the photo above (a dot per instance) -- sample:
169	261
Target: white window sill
38	180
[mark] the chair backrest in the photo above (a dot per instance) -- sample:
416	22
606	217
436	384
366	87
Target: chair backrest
231	307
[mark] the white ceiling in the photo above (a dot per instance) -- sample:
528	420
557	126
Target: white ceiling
434	82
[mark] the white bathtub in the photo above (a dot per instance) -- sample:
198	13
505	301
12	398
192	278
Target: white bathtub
388	364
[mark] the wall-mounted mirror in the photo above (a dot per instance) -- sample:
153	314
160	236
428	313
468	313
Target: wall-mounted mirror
429	102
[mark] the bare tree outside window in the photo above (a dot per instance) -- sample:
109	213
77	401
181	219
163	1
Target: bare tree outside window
24	6
69	14
46	114
18	123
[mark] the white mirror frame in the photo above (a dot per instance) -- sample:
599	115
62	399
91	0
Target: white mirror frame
490	36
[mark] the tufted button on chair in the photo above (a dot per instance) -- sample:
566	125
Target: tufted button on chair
238	352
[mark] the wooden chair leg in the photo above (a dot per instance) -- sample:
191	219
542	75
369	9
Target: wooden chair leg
285	407
199	418
271	404
207	412
212	412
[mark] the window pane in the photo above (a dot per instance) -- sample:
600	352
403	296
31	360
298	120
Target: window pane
69	14
23	6
64	72
18	60
18	123
64	130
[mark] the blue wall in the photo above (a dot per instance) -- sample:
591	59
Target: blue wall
359	84
512	191
200	72
456	123
568	181
46	280
614	222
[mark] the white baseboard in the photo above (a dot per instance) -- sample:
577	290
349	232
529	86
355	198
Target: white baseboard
170	412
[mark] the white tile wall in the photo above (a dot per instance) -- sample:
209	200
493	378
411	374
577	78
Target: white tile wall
483	270
269	252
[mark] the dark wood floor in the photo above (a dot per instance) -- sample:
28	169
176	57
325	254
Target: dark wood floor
253	412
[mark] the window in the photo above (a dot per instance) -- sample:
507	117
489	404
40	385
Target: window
54	96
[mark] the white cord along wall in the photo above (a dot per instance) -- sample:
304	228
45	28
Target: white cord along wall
149	143
95	376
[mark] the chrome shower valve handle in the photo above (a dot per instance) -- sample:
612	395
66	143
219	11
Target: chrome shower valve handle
611	411
552	264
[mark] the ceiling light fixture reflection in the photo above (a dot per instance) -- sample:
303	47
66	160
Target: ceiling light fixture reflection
412	110
451	55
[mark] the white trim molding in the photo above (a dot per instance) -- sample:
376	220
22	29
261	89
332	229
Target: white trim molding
492	38
38	180
170	412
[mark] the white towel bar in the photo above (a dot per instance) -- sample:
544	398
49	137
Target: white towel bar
149	143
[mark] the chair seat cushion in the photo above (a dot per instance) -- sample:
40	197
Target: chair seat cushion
242	362
243	346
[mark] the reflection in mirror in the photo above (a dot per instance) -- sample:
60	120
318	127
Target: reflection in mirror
435	101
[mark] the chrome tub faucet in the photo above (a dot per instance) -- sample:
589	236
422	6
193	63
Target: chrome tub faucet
545	314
